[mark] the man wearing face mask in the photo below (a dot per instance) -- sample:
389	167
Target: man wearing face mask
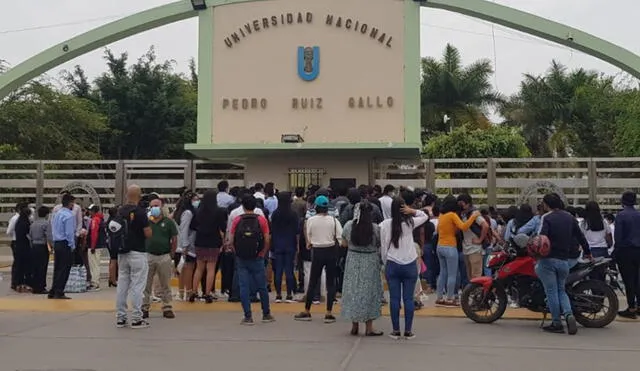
160	250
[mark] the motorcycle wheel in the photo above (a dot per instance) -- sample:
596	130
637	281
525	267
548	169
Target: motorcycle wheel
476	304
592	293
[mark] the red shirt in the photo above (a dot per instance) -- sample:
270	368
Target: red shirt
264	227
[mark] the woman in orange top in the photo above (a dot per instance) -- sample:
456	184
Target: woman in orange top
448	227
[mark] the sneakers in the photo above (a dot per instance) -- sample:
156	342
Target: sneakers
409	335
145	314
168	314
140	324
302	316
395	335
92	288
628	314
279	299
316	302
572	326
290	299
247	321
209	299
268	318
329	318
121	323
554	328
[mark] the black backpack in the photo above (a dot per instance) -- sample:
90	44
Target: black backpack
248	239
118	229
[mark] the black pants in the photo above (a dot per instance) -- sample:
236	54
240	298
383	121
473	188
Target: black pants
226	262
342	259
629	265
20	274
63	259
326	258
39	264
300	269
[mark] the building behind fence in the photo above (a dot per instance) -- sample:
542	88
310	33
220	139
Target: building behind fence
497	182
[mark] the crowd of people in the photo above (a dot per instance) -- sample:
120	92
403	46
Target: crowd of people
327	244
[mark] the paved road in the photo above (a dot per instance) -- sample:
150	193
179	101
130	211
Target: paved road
206	341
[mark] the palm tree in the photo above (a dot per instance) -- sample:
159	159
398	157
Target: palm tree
552	110
462	93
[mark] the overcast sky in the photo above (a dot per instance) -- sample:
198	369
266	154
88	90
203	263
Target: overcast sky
28	27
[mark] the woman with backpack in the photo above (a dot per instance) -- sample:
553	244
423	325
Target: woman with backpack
362	288
285	234
210	224
398	252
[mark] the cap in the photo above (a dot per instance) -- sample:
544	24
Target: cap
322	201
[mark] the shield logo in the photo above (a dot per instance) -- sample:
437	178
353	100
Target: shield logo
308	62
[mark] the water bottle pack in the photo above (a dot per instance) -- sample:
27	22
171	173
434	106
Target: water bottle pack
77	282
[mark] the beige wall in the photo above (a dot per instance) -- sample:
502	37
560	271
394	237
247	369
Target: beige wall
275	169
264	65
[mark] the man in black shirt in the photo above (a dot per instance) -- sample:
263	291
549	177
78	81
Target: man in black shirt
562	230
627	252
132	260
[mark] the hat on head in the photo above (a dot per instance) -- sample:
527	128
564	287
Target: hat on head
322	201
629	198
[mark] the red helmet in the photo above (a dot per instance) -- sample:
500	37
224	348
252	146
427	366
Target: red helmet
539	246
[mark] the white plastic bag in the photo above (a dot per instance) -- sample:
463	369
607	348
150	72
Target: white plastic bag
180	264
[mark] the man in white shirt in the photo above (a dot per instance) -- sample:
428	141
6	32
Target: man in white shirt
259	191
386	200
11	232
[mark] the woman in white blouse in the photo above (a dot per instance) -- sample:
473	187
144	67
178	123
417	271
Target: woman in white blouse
399	256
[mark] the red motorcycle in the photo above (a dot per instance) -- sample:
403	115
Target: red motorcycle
484	299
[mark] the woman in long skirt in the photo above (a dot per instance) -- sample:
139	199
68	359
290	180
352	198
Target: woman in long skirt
362	287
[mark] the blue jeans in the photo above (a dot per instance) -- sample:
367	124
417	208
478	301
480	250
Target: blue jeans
448	259
132	280
553	274
283	263
251	273
401	280
430	258
485	270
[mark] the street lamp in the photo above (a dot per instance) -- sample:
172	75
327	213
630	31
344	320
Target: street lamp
199	4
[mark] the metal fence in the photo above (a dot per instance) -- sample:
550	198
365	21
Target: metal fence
498	182
502	182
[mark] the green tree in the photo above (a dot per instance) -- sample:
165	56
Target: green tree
151	110
462	93
465	142
40	122
564	113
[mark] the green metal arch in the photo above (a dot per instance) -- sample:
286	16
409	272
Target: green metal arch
180	10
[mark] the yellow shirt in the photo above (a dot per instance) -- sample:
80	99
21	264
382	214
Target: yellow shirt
448	226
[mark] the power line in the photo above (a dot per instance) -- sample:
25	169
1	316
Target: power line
59	25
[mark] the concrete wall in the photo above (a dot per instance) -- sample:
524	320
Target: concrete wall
357	96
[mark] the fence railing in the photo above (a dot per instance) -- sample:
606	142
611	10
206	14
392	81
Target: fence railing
500	182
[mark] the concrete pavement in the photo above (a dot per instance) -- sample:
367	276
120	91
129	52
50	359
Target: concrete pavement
207	341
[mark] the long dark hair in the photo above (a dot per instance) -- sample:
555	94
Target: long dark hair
183	204
362	232
207	210
593	217
284	214
24	215
449	205
524	214
397	218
